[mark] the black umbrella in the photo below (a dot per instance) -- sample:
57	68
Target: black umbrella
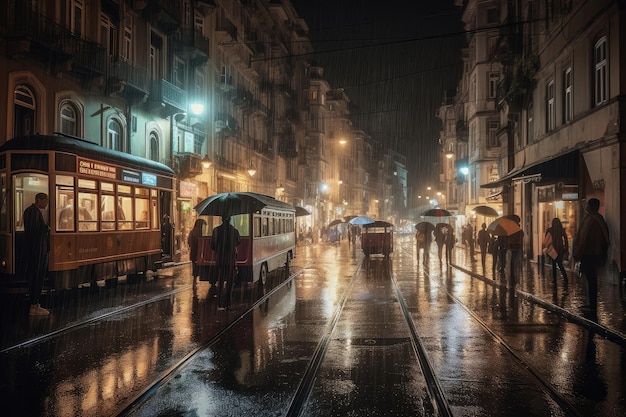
334	223
301	211
486	211
230	204
437	212
425	227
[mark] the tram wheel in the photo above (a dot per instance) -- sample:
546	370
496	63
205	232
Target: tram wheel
263	275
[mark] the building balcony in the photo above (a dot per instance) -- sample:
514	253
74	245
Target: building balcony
33	34
188	164
167	15
166	93
128	78
192	45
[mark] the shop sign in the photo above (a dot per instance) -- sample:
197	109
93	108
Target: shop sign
570	193
148	179
130	176
187	189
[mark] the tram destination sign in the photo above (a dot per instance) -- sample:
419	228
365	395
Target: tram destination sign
97	169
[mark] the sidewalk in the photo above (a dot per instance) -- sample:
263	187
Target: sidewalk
536	285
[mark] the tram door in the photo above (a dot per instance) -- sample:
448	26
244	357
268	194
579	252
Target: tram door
25	188
167	232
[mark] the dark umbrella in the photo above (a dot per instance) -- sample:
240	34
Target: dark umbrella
301	211
441	226
425	227
503	226
230	204
486	211
334	223
437	212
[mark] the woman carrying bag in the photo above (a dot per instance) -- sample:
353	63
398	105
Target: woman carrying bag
555	245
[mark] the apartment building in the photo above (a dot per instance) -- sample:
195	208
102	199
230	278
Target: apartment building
558	103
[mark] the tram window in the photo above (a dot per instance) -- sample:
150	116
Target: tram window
87	216
26	186
124	213
141	213
106	186
124	189
257	226
241	223
88	184
107	208
265	227
65	208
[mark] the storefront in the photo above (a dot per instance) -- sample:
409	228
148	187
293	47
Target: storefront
556	201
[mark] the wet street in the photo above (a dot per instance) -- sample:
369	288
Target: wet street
337	335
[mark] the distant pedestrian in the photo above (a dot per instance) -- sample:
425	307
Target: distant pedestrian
494	251
483	244
591	247
449	241
556	246
424	240
192	241
36	250
167	230
470	241
224	242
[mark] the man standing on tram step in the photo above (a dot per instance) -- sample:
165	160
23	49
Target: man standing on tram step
36	249
590	248
224	242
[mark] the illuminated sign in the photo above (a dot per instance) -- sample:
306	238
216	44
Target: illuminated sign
96	169
148	179
130	176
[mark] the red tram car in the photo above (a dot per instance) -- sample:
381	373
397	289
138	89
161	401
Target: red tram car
104	211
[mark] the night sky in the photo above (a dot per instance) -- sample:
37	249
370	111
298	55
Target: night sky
395	65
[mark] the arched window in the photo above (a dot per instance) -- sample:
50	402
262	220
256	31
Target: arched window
154	146
115	138
68	119
24	114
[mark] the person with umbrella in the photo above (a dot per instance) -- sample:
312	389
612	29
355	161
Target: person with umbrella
424	238
224	242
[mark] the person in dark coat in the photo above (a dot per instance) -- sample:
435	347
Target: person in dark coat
224	242
483	243
167	230
192	241
36	249
590	248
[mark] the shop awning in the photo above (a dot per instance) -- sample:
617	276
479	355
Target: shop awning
563	167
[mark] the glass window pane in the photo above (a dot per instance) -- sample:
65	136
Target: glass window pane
107	209
124	213
141	213
26	188
87	215
90	184
65	208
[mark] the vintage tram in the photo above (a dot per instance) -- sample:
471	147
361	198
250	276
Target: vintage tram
104	209
267	237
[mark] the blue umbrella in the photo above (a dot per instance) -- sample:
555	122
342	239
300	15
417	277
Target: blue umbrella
361	220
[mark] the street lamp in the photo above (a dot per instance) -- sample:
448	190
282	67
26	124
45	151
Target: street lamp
251	169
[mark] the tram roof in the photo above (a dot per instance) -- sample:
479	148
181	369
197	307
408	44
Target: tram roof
83	148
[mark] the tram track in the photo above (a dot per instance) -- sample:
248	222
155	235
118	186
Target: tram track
92	320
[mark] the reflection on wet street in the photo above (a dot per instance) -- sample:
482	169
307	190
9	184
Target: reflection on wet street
328	337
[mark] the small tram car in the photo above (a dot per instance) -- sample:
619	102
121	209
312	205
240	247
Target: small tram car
377	238
104	209
267	241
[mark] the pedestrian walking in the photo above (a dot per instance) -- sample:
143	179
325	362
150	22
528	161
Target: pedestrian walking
192	241
36	250
470	241
591	247
556	246
424	240
449	241
224	242
483	244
